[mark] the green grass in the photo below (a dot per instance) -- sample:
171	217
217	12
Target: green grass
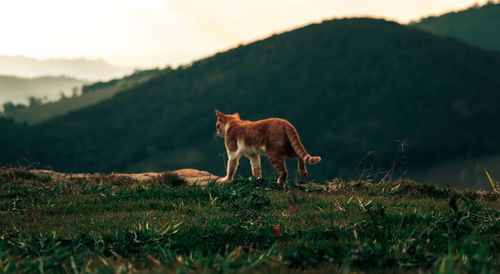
100	224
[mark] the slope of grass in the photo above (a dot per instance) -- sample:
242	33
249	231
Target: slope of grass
101	224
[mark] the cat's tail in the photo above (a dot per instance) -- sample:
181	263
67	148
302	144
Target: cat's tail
312	159
294	139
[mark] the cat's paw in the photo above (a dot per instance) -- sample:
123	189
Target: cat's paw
222	180
303	173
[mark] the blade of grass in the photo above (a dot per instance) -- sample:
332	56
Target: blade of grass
491	181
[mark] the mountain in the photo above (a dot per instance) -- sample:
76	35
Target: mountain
91	94
364	94
477	25
17	90
92	70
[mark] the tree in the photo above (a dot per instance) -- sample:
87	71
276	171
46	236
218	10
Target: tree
9	106
34	101
75	92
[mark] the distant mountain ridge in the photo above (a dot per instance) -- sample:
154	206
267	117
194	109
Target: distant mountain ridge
92	70
478	25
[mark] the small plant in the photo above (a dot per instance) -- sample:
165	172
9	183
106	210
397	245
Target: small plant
170	179
493	186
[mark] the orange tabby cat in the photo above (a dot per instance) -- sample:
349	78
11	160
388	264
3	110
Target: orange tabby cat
275	137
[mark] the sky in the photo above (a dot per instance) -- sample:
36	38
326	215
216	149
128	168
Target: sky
156	33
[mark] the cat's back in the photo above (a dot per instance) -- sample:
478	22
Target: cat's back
269	124
260	131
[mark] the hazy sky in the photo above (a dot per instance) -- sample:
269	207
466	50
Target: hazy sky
143	33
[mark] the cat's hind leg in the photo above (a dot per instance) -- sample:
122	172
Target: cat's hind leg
302	168
278	162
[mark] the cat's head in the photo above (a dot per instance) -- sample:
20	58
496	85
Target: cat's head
223	121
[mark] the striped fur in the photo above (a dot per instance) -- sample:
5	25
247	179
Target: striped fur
274	137
294	139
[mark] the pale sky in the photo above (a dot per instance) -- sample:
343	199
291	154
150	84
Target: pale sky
146	33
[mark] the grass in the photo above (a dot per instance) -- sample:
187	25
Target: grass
101	224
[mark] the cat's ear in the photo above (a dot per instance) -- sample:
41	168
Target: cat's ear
220	115
236	115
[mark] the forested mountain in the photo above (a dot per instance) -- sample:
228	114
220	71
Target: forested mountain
360	92
478	25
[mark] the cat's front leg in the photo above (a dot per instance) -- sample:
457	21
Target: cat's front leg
232	165
256	168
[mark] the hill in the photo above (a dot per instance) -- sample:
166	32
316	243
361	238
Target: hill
365	95
92	70
477	25
91	94
17	90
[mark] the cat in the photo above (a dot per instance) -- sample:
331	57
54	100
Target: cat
277	138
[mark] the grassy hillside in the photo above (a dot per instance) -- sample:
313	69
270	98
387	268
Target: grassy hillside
477	26
17	90
364	94
92	94
105	224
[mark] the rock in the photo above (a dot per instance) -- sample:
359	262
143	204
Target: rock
191	176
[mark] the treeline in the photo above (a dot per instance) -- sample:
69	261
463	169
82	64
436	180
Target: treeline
127	80
34	101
